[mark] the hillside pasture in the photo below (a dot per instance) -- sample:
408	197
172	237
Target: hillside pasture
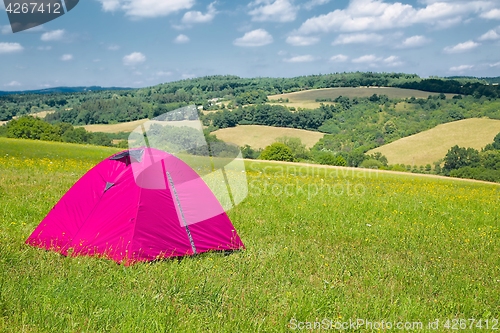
429	146
115	128
257	136
321	243
41	115
307	98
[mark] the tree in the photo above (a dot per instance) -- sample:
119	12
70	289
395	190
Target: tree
496	142
249	152
298	149
459	157
379	157
355	158
278	152
323	157
390	127
28	127
76	135
371	164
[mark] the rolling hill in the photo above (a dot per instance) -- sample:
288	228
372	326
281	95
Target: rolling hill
115	128
429	146
307	98
62	90
257	136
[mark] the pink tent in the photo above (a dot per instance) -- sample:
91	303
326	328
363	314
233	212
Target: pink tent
138	205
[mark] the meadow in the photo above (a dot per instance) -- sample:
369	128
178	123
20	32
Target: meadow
307	99
432	145
330	244
115	128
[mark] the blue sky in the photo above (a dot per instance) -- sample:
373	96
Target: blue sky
138	43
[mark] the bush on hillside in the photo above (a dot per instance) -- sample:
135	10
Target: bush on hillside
277	152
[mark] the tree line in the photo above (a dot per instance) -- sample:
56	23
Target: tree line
101	107
470	163
28	127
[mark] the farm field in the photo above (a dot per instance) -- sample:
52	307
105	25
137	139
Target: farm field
307	99
115	128
257	136
41	114
322	243
429	146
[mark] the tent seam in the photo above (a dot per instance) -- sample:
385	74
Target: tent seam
135	218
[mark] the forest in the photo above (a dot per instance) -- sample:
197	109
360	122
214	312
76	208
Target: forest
111	106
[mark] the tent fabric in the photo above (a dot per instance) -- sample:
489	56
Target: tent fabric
125	209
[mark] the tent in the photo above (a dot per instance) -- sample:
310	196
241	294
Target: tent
137	205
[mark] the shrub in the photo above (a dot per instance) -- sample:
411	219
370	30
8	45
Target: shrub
329	159
277	152
371	164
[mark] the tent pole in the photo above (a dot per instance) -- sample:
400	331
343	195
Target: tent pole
171	181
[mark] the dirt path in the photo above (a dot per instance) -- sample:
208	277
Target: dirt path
377	171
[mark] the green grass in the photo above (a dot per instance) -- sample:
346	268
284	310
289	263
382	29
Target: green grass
321	243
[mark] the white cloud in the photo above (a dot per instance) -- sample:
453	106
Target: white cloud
181	39
313	3
461	47
369	58
110	5
413	42
13	84
493	14
365	15
44	48
493	34
497	64
67	57
302	58
302	40
133	59
461	68
10	48
374	61
392	61
6	29
193	17
137	9
258	37
52	36
113	47
448	23
276	11
163	73
339	58
358	39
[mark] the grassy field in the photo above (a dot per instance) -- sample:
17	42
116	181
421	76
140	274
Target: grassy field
41	114
115	128
307	99
322	244
430	146
257	136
